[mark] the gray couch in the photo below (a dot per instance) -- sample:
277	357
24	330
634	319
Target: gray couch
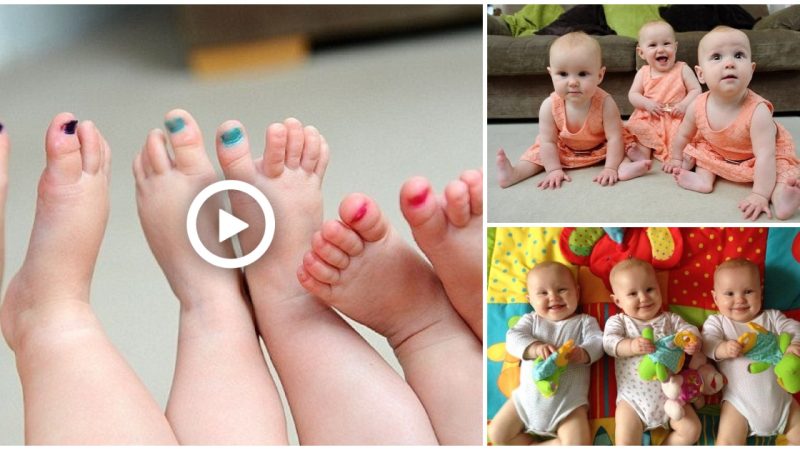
517	66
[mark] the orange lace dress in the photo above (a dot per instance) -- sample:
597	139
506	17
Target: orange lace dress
728	152
656	132
583	148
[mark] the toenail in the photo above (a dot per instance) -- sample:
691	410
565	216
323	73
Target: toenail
232	137
420	198
69	127
1	127
175	125
362	211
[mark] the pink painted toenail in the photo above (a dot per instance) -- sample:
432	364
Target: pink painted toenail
362	211
420	198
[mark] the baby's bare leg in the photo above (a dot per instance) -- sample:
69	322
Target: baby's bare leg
701	180
509	174
792	430
628	429
449	232
631	169
574	429
222	392
638	152
507	428
339	388
360	266
77	389
786	198
685	431
732	426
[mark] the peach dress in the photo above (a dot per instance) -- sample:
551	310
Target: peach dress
728	152
583	148
652	131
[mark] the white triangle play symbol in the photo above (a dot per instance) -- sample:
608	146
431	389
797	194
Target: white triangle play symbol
229	225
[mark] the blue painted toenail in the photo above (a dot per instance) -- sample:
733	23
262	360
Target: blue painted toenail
69	127
175	125
232	137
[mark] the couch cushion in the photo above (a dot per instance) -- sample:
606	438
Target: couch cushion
787	18
529	55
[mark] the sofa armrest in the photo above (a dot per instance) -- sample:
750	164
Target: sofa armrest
496	26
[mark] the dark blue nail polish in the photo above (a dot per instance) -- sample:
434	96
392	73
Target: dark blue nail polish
175	125
232	137
1	127
69	127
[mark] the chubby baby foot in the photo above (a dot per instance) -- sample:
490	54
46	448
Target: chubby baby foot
637	152
786	199
505	171
692	181
449	232
71	215
360	266
629	170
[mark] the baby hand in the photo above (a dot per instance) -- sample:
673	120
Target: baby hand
793	349
543	350
554	179
753	205
729	349
654	108
607	177
578	356
692	348
678	110
642	346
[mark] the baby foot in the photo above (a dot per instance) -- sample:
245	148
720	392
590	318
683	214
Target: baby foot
787	199
505	171
630	170
165	187
449	233
691	181
637	152
71	215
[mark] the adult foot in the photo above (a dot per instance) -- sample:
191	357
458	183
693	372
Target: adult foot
71	215
630	170
448	231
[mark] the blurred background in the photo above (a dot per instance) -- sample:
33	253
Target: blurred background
396	90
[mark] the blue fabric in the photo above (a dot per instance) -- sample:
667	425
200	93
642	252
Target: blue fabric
782	269
667	353
766	349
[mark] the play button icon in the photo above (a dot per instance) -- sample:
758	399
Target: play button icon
230	225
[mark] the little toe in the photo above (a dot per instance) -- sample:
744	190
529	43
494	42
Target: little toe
187	142
294	142
155	146
324	155
311	149
474	181
312	285
421	210
328	252
63	150
275	154
363	215
319	269
457	206
233	151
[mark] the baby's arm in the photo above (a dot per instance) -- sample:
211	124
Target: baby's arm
784	324
616	343
685	133
521	342
637	98
548	149
693	89
714	344
592	344
762	136
612	125
680	324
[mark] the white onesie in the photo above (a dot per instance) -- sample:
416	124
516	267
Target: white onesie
645	397
542	415
757	397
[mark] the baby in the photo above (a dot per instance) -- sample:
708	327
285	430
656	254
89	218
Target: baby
661	92
640	404
554	294
729	132
752	404
579	124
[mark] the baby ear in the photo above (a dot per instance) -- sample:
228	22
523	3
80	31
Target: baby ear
602	73
639	52
549	71
699	71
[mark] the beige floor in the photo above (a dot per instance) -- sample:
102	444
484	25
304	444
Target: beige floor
389	111
653	198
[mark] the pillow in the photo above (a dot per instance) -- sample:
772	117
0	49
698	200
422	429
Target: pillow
532	18
706	17
788	18
627	19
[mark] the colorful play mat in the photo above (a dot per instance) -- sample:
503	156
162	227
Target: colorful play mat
684	258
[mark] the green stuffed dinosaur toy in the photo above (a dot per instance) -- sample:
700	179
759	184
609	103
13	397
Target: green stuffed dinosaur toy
547	372
668	357
767	350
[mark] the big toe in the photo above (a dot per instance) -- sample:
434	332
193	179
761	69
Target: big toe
187	143
362	215
63	150
422	211
233	151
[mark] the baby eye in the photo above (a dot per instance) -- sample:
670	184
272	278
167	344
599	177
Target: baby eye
715	57
562	290
728	293
562	74
739	55
748	291
649	290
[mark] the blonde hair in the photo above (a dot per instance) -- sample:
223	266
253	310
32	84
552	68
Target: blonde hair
652	23
735	264
721	29
630	263
552	265
574	40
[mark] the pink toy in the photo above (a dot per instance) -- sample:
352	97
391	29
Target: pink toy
690	386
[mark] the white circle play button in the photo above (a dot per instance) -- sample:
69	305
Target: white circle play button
230	225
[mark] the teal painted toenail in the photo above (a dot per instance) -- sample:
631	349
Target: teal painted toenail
175	125
232	137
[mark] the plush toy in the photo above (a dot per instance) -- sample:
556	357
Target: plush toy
668	357
767	350
547	372
690	386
